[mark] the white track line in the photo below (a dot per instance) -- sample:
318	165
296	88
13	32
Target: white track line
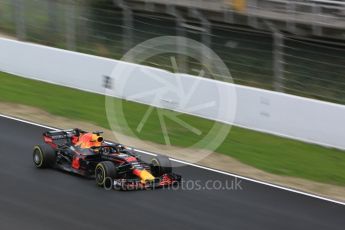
201	167
28	122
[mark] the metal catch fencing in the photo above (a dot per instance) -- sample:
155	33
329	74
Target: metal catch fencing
271	60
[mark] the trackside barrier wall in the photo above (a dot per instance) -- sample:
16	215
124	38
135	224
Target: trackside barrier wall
271	112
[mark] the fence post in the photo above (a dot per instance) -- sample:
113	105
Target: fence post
291	11
253	20
316	10
70	26
278	61
20	20
180	32
278	58
53	17
205	34
127	25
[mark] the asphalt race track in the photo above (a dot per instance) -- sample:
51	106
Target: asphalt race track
31	198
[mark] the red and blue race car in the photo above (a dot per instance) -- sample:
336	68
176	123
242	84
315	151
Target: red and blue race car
112	165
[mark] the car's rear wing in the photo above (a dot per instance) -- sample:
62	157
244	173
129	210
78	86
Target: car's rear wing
51	136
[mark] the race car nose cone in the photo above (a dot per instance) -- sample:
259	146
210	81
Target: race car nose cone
144	175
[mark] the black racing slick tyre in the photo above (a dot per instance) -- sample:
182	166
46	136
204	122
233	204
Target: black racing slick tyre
160	165
44	156
105	172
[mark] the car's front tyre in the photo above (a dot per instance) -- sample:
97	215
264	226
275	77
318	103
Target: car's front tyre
105	172
160	165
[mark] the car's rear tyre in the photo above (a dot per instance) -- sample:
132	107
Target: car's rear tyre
160	165
44	156
105	172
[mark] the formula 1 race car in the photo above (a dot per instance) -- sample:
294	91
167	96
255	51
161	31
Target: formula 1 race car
112	165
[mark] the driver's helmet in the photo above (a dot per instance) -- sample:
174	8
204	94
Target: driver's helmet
107	150
120	148
95	150
89	140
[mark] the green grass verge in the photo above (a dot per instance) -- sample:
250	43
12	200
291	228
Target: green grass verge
267	152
